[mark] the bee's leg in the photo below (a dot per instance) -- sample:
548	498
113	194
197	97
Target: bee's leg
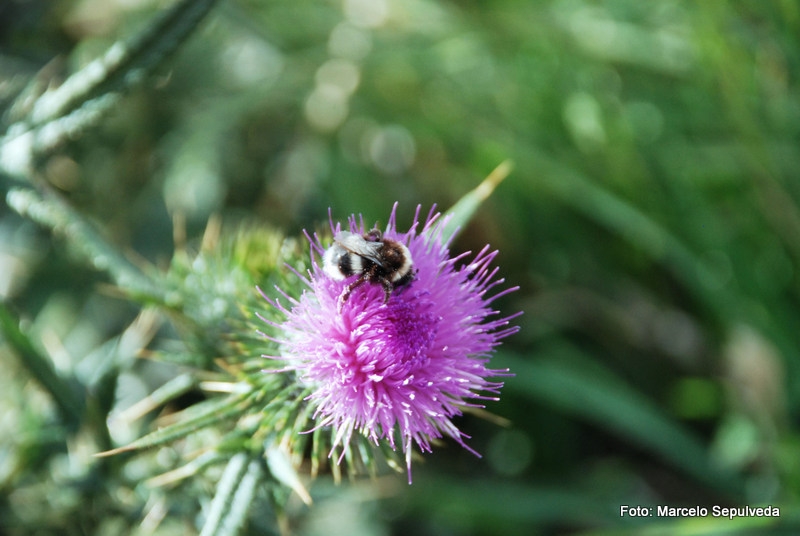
350	288
367	275
387	289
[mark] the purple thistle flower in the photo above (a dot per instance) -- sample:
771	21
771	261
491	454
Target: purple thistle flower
401	368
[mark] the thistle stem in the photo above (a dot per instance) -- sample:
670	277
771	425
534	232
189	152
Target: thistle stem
40	368
49	210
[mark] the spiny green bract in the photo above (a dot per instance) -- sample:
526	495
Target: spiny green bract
212	299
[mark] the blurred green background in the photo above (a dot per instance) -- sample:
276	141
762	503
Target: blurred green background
652	221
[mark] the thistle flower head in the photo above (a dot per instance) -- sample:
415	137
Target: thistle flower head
400	369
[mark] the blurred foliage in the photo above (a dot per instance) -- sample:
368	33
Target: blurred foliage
651	220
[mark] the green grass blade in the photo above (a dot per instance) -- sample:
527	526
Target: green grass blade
461	213
578	386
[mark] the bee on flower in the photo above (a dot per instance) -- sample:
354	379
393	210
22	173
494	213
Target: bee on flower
393	336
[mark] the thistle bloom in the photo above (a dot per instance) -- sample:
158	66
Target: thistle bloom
397	370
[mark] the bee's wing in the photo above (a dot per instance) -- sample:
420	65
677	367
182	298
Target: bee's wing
355	243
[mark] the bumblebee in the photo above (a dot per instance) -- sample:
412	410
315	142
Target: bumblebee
370	256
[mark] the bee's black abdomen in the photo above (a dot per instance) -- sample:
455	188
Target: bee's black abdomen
353	264
344	265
